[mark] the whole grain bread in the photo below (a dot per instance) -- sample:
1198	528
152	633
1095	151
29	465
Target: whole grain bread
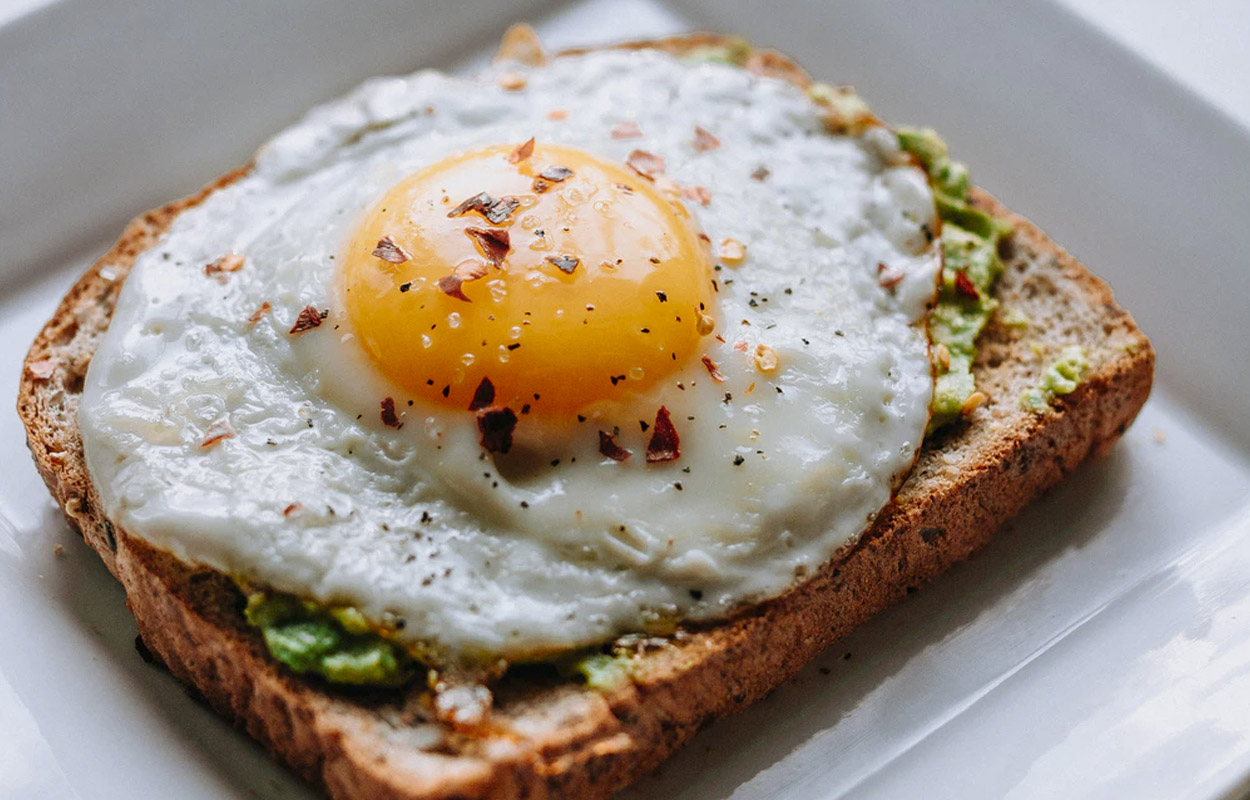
552	736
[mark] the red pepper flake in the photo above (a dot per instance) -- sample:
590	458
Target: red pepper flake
483	396
308	319
648	165
522	152
42	369
467	270
965	286
713	370
565	264
217	432
558	114
740	346
701	194
496	426
556	173
704	140
389	417
540	185
291	509
497	210
887	277
477	202
261	311
760	173
610	449
626	130
390	252
664	444
232	262
493	242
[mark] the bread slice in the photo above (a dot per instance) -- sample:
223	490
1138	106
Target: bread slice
553	736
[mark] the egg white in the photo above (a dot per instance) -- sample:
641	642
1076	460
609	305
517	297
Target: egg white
556	547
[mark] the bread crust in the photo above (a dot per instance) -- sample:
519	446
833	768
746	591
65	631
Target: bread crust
557	738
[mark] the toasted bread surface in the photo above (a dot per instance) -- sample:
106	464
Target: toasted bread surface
550	736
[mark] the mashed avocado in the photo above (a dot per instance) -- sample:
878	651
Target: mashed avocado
337	643
341	646
970	240
1061	377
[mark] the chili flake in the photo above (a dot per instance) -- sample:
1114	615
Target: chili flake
493	242
467	270
713	370
217	432
700	194
232	262
389	417
497	210
965	286
887	277
522	152
626	130
704	140
664	444
610	449
308	319
648	165
261	311
389	251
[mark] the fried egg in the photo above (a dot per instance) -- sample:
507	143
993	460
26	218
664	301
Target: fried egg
528	359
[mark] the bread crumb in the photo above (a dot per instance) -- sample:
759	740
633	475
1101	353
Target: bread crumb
58	550
1159	435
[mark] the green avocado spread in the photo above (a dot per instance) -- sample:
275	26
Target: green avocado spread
971	264
1061	377
340	645
337	642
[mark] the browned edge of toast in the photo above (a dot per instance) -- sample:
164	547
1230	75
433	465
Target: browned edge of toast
557	738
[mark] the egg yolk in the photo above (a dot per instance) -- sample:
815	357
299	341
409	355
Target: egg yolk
561	278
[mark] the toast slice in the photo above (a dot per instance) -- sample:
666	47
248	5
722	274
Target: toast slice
553	736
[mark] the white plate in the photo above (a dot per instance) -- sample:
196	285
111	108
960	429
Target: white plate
1099	647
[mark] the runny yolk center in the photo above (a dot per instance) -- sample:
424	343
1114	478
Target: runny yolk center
562	278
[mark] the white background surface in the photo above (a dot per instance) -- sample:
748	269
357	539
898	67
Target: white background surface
1100	647
1204	44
